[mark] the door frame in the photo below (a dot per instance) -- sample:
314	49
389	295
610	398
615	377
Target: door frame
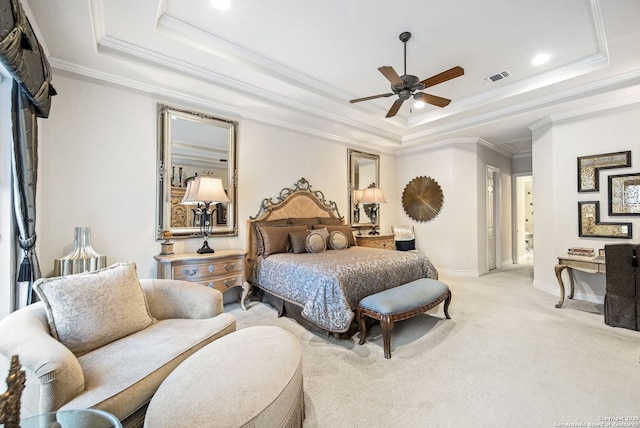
497	214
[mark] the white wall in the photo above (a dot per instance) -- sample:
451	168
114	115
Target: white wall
98	169
556	147
456	240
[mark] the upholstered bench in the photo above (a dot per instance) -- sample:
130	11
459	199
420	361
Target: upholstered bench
400	303
250	378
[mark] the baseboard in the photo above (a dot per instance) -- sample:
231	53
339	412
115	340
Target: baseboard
461	273
577	295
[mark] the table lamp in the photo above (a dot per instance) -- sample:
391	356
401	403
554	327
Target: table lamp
203	192
374	197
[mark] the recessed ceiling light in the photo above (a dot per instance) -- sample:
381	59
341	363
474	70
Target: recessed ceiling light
540	59
221	4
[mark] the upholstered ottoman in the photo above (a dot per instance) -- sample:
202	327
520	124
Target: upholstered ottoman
250	378
401	303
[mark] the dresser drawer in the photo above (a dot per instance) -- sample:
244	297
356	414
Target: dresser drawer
204	271
224	283
384	242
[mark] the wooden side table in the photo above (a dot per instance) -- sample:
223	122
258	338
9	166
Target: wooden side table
221	270
385	242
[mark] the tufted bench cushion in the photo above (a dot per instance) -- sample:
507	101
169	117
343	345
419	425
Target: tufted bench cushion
250	378
400	303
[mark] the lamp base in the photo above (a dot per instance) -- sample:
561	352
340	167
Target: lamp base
374	232
205	249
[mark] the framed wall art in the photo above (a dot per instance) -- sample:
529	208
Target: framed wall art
590	226
590	166
624	194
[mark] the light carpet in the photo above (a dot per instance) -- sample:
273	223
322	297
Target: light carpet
507	358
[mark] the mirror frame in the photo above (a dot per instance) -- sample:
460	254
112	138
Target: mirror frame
353	157
163	196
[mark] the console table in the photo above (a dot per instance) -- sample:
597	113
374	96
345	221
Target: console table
580	263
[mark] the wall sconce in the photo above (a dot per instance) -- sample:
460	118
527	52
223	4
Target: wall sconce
373	196
203	192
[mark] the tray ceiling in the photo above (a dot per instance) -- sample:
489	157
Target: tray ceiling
296	64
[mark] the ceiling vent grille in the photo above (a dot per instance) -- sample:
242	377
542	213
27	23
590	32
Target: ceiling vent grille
496	77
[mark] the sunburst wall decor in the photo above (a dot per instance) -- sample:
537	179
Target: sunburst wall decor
422	198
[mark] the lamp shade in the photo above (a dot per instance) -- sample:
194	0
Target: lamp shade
357	195
373	195
204	189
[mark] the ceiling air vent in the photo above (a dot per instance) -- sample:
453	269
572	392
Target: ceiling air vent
496	77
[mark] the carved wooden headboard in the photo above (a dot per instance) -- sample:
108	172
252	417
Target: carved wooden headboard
300	201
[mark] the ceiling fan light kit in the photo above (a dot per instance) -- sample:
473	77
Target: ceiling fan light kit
408	86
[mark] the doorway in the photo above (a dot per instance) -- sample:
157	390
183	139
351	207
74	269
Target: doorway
523	224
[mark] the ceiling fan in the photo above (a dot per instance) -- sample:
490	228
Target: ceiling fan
407	85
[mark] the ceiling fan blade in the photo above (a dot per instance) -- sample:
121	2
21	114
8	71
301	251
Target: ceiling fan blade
391	74
395	107
373	97
432	99
452	73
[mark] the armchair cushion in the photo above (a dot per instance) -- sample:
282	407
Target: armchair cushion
89	310
176	299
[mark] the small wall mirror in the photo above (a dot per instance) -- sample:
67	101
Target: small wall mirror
364	171
194	144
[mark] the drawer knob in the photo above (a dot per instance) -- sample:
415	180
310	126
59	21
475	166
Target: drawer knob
210	285
211	268
230	282
188	272
229	266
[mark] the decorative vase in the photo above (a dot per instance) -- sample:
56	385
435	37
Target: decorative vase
83	258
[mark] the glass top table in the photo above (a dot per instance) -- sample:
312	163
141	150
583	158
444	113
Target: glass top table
85	418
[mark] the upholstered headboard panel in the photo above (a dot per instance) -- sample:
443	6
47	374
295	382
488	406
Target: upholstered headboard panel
298	202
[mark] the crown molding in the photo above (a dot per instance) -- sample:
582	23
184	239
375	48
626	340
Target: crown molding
132	51
615	82
197	101
585	112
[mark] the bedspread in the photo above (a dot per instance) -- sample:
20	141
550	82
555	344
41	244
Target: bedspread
329	285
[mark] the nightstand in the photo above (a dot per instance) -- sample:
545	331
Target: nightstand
384	242
221	270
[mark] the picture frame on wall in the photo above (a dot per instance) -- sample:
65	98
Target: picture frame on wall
624	194
589	168
590	226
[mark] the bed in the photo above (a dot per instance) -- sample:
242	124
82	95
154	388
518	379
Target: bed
320	290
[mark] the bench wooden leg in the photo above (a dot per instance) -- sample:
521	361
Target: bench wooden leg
363	326
446	305
387	328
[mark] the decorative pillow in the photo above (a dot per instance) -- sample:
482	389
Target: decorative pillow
257	224
88	310
315	243
298	240
322	231
309	222
345	228
276	238
407	245
337	241
330	220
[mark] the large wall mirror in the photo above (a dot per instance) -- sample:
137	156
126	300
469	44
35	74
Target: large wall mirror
194	144
364	172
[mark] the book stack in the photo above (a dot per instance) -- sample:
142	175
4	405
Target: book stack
580	251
